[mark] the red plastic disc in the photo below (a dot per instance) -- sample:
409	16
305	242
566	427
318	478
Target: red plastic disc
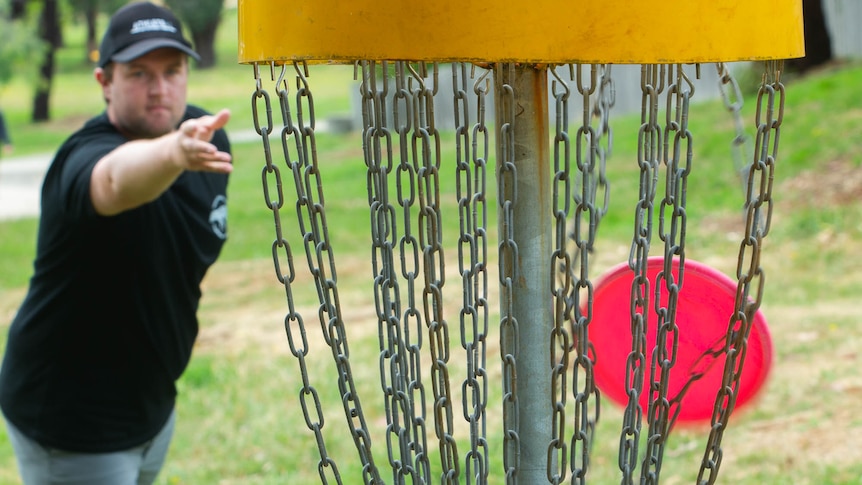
704	309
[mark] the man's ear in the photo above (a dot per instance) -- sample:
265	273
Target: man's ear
104	81
101	76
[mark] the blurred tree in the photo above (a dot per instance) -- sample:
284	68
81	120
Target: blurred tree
49	32
202	18
89	10
18	9
818	45
18	46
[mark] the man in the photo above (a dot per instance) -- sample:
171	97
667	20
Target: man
133	215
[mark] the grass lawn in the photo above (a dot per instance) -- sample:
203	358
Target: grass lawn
240	404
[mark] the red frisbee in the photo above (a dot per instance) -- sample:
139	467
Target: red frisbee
705	305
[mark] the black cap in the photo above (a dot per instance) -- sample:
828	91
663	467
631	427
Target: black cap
139	28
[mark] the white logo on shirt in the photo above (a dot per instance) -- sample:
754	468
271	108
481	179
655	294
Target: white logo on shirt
152	25
218	216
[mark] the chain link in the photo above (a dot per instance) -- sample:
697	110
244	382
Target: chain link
731	96
733	102
605	101
749	293
471	192
672	226
416	183
561	285
311	223
590	168
574	290
425	144
649	143
508	267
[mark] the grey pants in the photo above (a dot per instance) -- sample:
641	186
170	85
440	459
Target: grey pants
39	465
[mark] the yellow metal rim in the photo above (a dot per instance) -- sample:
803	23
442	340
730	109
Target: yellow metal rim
539	31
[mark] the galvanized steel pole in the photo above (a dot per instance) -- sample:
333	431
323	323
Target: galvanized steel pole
521	102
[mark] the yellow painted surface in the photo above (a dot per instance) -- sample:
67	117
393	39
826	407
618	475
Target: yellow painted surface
534	31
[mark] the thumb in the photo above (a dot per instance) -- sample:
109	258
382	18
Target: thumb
219	120
203	128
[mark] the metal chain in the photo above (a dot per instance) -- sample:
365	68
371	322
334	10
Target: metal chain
733	101
749	273
425	153
579	298
400	331
573	286
508	258
561	285
471	192
414	172
605	101
672	230
591	170
649	143
377	147
312	228
732	98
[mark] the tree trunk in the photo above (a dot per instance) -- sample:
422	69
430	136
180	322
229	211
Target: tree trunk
92	42
49	31
42	99
204	42
19	8
818	46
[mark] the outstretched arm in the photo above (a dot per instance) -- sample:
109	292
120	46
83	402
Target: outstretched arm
139	171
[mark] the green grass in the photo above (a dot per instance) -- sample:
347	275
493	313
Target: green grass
240	417
19	238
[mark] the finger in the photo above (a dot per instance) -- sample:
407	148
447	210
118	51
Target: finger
194	131
213	155
204	150
203	127
192	146
217	121
217	166
188	128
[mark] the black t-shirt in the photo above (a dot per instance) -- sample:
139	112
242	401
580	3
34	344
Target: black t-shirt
109	320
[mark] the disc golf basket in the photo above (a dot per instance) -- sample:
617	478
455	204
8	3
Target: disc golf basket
650	334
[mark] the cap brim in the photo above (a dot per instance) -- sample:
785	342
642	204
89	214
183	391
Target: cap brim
147	45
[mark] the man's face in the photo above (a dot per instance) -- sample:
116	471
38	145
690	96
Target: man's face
147	96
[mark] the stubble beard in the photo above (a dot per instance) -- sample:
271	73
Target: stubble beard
144	127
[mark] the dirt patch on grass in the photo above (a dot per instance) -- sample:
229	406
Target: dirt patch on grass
837	183
10	300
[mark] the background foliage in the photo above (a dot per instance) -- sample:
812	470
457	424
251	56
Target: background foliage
18	46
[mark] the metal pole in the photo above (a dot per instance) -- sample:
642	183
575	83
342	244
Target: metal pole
521	103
